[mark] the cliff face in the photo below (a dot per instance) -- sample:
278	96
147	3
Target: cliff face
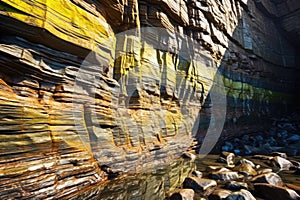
79	90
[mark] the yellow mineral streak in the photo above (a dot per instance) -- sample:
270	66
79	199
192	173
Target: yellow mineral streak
61	18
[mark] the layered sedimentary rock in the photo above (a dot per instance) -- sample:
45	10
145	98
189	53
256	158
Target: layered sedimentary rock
286	13
90	83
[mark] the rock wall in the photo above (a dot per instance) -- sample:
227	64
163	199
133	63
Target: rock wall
78	90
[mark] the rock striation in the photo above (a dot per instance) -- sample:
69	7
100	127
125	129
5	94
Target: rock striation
86	83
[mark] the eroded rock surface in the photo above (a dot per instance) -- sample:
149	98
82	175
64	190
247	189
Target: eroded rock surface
131	103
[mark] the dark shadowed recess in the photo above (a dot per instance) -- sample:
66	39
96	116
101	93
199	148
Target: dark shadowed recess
254	115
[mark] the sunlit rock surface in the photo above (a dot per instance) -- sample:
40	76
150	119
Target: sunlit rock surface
78	92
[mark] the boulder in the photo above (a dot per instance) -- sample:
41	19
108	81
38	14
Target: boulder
183	194
270	178
224	174
196	183
241	195
272	192
219	194
281	163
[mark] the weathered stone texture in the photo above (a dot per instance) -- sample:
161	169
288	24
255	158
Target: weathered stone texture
132	103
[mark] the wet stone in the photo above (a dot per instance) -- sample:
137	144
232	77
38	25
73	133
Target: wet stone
186	194
241	195
246	170
272	192
270	178
281	163
219	194
236	185
224	175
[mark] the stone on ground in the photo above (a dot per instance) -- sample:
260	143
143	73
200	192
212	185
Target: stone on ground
241	195
219	194
236	185
196	183
270	178
273	192
224	175
281	163
246	170
183	194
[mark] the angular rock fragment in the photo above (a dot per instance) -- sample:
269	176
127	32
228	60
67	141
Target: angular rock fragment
282	163
270	178
186	194
224	175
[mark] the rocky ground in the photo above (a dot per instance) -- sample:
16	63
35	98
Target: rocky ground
284	136
258	165
231	177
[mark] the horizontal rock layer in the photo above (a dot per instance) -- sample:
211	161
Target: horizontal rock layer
88	82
